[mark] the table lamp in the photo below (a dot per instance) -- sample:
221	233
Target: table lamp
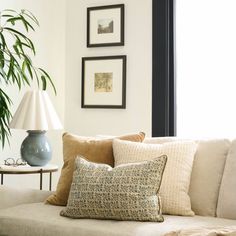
36	114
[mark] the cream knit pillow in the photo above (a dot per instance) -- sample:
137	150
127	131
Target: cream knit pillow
176	177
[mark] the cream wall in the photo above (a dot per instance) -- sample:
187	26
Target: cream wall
138	48
49	41
61	42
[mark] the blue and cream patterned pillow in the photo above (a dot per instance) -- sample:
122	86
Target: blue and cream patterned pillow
126	192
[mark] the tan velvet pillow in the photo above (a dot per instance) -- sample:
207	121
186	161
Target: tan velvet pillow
95	150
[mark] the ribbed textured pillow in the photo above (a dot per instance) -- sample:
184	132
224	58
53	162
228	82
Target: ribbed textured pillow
93	149
127	192
176	178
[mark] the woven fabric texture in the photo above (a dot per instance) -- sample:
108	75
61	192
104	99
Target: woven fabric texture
127	192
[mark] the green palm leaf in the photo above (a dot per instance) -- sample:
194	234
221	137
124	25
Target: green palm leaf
16	67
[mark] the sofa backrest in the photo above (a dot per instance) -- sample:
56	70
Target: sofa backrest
227	197
207	174
10	197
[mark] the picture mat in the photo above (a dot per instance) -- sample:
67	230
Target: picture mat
97	15
114	66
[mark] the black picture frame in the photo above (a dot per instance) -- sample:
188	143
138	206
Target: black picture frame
122	86
121	40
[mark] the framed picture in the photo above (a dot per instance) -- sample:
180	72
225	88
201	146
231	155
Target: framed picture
104	82
105	26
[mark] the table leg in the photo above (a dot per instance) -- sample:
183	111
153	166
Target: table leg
50	181
41	179
1	178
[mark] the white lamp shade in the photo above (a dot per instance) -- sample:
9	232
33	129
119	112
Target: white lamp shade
35	112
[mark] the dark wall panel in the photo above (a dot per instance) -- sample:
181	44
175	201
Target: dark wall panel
163	83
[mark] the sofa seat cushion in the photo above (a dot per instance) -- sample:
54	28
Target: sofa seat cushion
39	219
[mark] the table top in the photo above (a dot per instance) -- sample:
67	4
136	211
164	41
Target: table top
5	169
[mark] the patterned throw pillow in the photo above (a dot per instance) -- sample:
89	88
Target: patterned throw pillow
127	192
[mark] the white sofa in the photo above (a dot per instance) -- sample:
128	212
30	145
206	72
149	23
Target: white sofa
212	192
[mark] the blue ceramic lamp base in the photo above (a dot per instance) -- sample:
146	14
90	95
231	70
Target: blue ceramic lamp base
36	149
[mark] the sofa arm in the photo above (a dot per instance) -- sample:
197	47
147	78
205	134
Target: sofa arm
15	196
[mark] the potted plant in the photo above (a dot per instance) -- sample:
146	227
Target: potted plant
16	66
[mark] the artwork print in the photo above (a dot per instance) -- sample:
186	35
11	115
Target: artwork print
105	26
103	82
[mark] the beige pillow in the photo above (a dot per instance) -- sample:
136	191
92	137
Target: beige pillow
208	168
95	150
226	207
126	192
176	178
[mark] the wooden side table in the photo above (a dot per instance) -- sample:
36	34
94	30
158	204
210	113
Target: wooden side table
23	170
